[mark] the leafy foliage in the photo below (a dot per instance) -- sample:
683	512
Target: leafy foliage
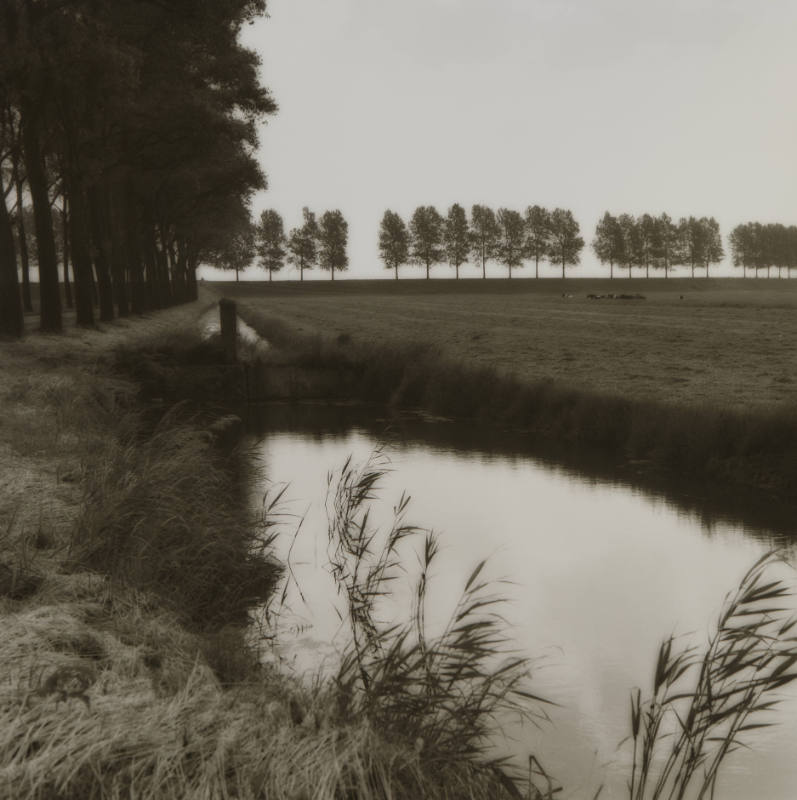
394	241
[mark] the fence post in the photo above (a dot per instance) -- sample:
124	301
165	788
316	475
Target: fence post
228	323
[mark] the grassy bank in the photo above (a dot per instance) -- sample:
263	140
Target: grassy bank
390	355
128	556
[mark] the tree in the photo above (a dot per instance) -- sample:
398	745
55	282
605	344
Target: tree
713	252
631	248
426	237
11	317
240	248
609	244
484	233
84	87
270	238
566	244
538	235
333	237
512	238
394	241
647	239
456	237
668	243
746	247
303	243
695	242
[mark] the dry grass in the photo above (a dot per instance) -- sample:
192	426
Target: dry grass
112	538
727	342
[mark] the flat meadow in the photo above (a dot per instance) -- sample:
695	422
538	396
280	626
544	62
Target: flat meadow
727	343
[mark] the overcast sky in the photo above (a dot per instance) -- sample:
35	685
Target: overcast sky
684	106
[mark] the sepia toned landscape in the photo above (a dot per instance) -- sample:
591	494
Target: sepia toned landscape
397	400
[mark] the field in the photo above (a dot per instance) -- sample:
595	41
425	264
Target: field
718	342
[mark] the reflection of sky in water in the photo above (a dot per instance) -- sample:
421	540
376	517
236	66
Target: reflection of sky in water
600	574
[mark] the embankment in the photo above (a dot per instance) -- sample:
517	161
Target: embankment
726	445
128	558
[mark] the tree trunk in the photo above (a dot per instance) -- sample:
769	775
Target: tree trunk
49	294
563	269
395	269
11	316
333	272
70	303
23	241
236	275
457	269
118	255
611	270
81	256
269	274
427	270
101	249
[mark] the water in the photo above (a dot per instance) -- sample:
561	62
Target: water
600	574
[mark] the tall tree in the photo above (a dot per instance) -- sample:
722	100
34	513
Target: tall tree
11	317
631	247
426	237
566	244
668	243
484	233
333	238
241	248
270	241
538	235
394	241
647	238
512	238
609	243
714	252
695	241
303	243
456	237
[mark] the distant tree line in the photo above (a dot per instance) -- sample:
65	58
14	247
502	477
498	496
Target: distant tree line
127	151
506	237
657	242
758	247
316	242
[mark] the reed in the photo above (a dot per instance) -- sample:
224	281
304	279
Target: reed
443	694
683	733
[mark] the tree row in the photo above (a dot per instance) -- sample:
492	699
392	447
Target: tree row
127	142
507	237
758	246
316	242
657	242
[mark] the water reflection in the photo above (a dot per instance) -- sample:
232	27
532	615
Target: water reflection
600	574
766	515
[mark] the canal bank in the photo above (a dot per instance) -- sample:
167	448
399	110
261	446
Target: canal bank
127	556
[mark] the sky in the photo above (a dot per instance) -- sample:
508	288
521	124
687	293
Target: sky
683	106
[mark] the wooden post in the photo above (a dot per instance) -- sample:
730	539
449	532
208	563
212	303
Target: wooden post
228	322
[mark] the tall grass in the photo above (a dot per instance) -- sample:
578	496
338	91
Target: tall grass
169	514
442	695
683	733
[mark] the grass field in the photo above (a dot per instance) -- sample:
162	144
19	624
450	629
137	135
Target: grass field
717	342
